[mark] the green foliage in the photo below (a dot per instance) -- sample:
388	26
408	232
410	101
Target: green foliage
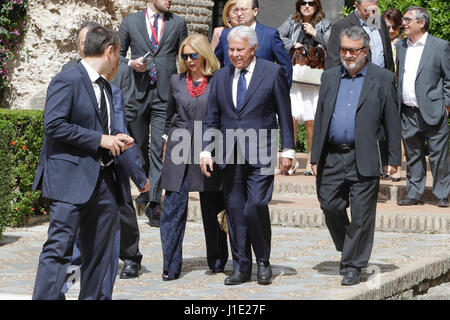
302	139
439	11
22	136
12	16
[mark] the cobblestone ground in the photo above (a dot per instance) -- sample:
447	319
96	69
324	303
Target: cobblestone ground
305	265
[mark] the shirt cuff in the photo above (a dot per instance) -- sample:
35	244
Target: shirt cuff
205	154
288	153
129	63
165	136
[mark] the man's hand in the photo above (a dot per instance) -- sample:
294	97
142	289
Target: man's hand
164	151
138	64
314	169
447	108
391	170
285	164
146	187
116	144
206	163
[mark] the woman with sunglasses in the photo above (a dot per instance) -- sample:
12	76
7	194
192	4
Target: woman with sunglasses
393	18
306	27
181	174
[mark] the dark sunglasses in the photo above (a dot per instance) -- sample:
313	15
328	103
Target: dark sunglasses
311	3
193	56
353	51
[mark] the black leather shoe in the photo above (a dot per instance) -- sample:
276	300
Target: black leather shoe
142	198
236	278
264	273
409	202
342	270
443	203
130	270
351	278
153	213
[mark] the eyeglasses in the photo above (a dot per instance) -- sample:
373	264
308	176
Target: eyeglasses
353	51
310	3
408	20
242	10
193	56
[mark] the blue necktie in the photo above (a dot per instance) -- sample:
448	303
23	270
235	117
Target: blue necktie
154	47
241	90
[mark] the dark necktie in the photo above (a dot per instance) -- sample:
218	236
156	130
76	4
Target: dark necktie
154	47
241	90
106	157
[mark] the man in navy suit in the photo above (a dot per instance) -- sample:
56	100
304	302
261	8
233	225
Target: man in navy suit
245	99
77	170
270	46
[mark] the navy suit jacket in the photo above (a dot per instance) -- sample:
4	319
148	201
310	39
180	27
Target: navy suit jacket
127	165
267	97
270	47
69	163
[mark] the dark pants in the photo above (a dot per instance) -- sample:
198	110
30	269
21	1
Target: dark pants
415	132
147	130
129	234
96	223
339	185
247	194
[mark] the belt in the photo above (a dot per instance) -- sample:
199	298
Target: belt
341	148
410	107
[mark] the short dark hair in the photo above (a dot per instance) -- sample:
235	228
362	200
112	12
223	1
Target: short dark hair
98	39
89	25
255	4
421	14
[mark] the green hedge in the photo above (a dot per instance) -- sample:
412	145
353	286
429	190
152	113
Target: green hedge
21	142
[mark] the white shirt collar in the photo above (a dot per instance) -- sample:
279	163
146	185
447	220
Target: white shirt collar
253	26
249	68
420	42
151	13
93	75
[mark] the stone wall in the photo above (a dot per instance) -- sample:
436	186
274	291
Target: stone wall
49	39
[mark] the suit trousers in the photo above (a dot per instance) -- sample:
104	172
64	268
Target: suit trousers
247	194
338	185
415	132
173	225
129	234
96	223
147	130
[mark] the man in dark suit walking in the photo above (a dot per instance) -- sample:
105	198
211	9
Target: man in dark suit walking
244	101
423	64
270	46
356	100
77	170
365	15
154	36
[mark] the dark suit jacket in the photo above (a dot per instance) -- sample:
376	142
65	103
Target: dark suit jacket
267	97
127	165
270	47
377	108
134	35
124	80
182	111
332	57
69	163
432	80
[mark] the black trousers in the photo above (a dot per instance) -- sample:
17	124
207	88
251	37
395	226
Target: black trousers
147	130
339	186
129	234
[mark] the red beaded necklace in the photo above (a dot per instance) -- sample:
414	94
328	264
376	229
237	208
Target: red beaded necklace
196	91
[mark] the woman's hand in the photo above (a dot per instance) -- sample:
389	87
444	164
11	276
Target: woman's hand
309	29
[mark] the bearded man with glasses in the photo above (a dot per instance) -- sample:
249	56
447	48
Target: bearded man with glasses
356	101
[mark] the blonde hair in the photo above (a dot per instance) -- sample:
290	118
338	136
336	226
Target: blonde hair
226	12
199	43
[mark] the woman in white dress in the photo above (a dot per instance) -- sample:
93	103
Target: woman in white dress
307	27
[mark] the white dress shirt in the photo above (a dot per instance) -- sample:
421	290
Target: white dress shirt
287	153
93	76
412	60
148	22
